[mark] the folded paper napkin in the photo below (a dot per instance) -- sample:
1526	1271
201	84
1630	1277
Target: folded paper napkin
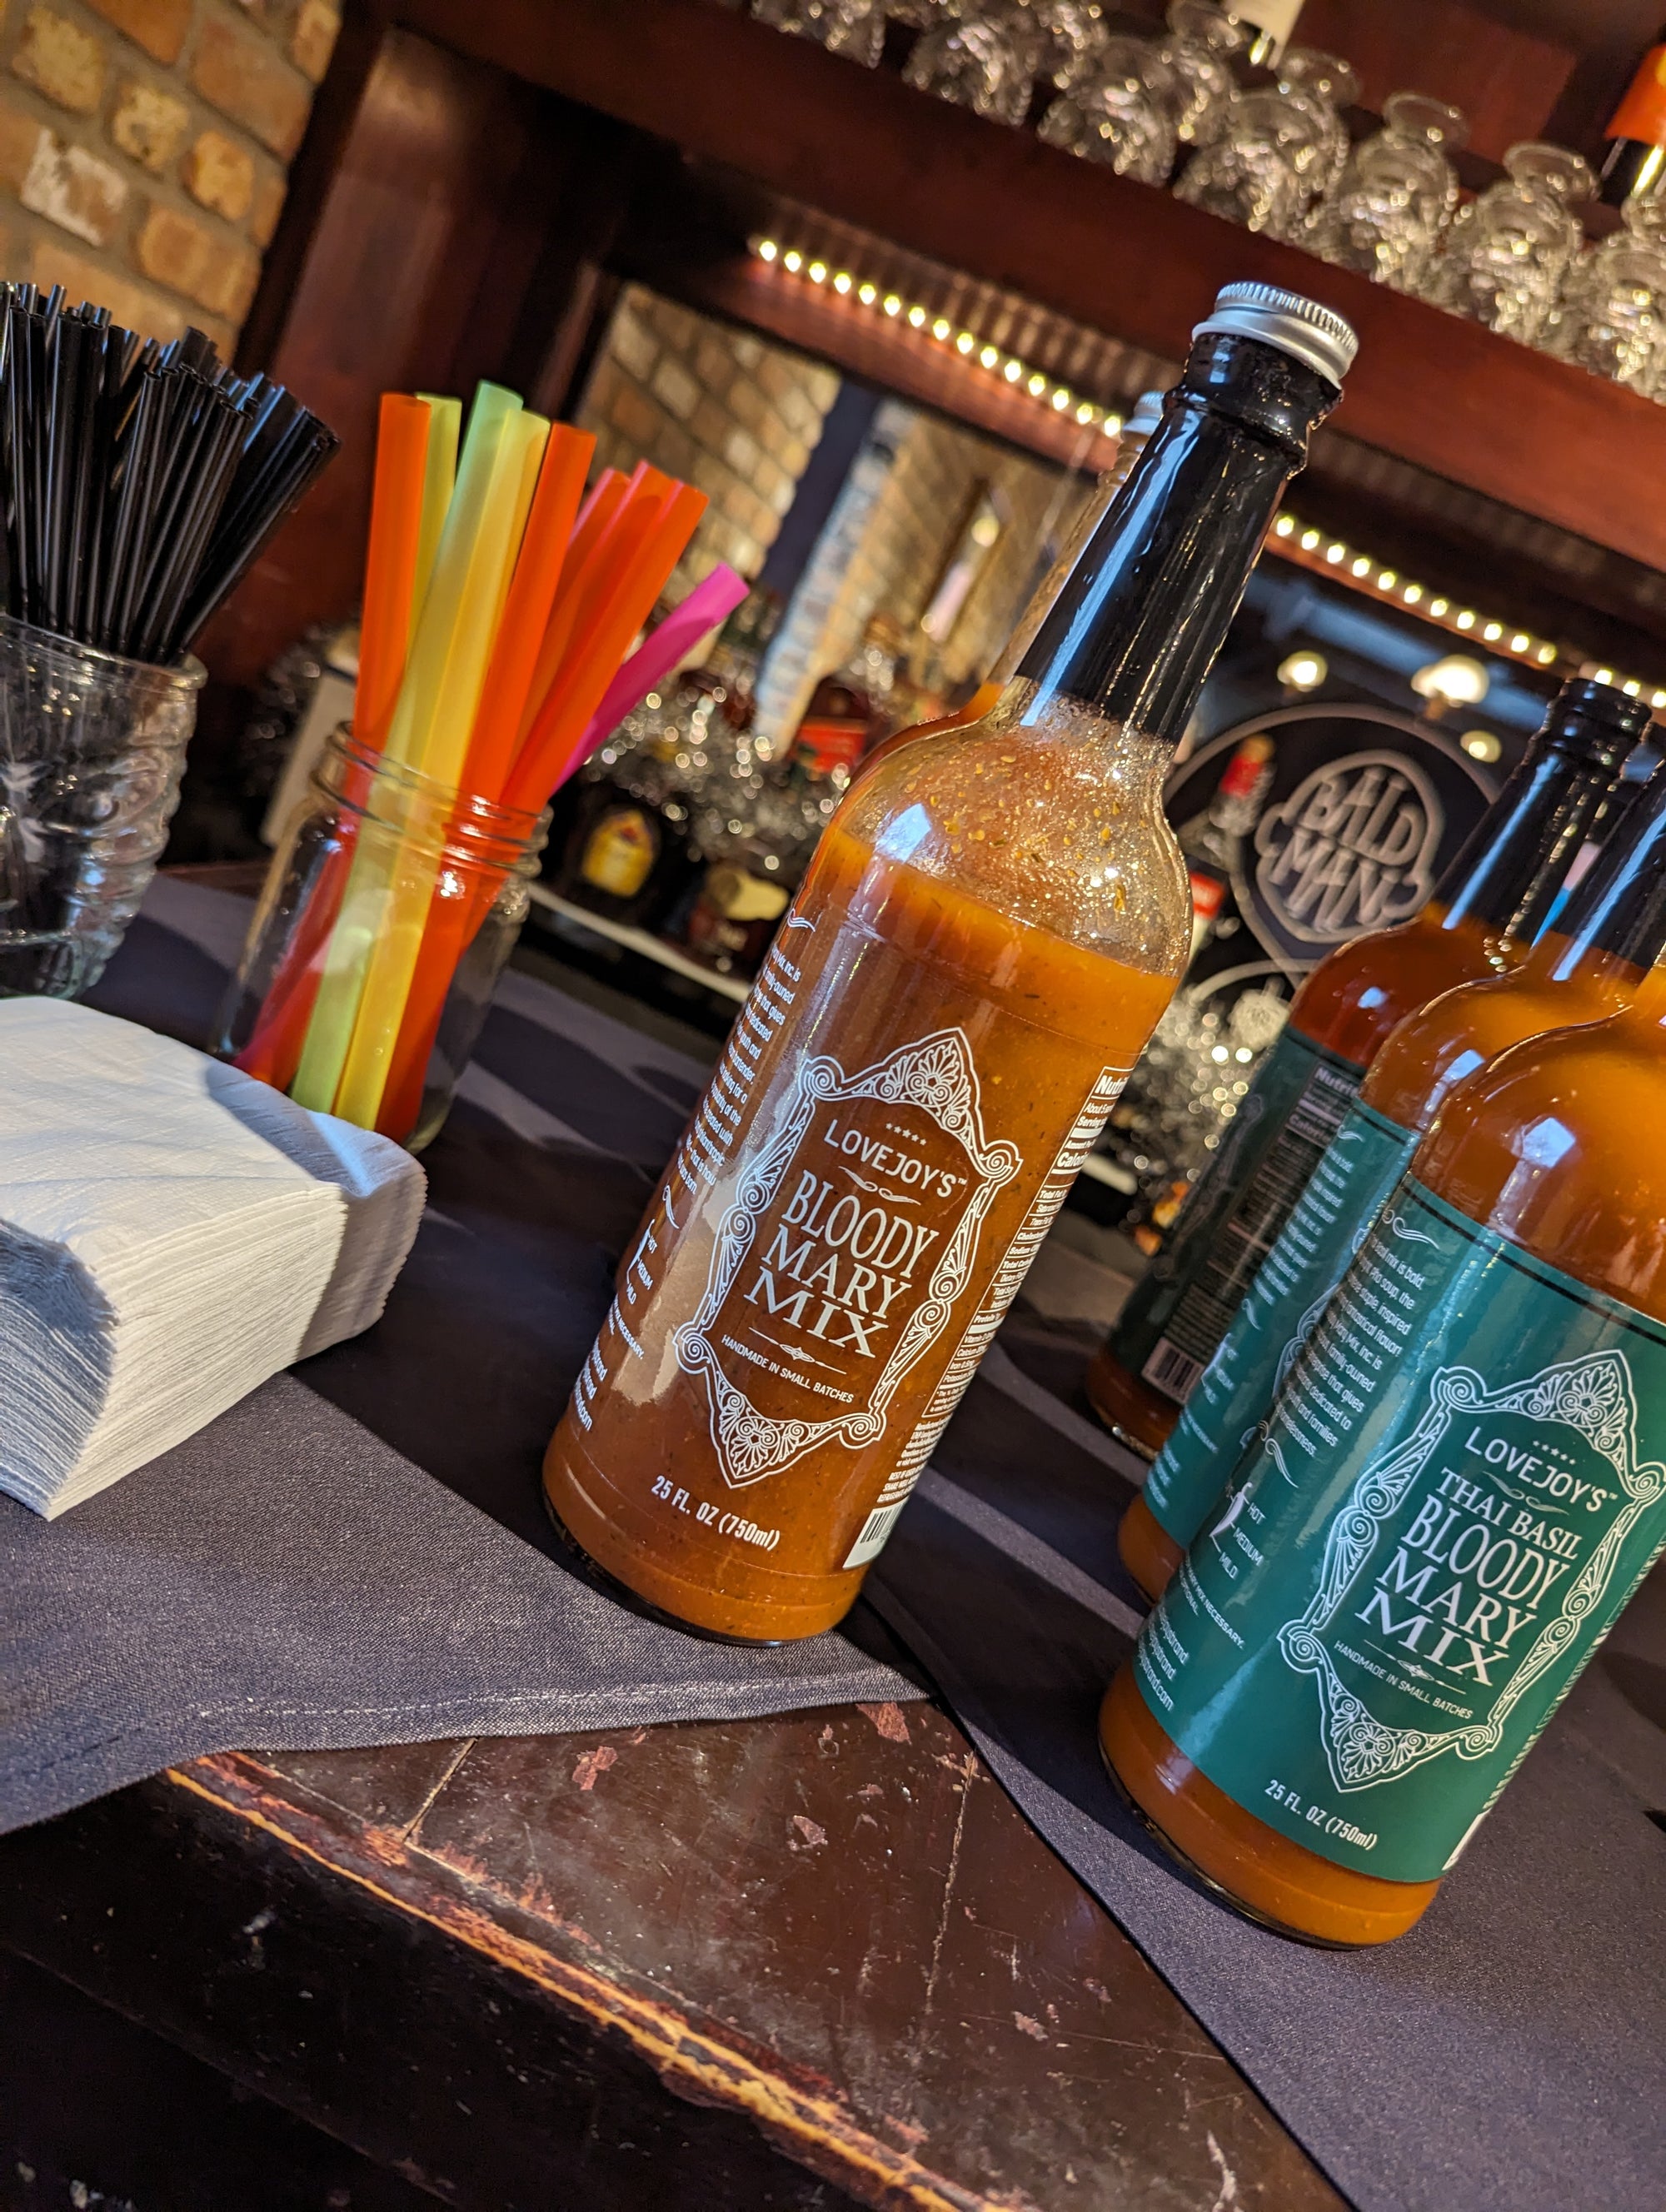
172	1233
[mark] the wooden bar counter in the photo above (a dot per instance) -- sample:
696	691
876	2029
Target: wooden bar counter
809	1961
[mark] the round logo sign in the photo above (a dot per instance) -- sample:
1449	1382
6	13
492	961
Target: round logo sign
1363	812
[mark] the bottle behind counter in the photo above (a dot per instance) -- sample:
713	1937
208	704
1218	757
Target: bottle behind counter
1635	165
985	939
1143	418
1351	1663
1589	964
1481	921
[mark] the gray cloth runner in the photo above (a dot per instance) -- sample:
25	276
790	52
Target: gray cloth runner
1506	2057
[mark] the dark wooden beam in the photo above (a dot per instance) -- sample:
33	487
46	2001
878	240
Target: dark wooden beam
1122	257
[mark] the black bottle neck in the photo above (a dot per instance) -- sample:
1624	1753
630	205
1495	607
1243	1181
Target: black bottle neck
1620	906
1506	877
1146	608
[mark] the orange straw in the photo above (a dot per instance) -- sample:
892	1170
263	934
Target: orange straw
273	1050
573	698
596	518
545	758
526	611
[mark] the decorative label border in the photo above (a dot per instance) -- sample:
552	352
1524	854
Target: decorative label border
1592	1394
937	1076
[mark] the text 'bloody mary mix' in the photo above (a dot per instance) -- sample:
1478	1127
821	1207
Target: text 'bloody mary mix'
988	935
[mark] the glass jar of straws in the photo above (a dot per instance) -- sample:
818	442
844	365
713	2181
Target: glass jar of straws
431	884
91	749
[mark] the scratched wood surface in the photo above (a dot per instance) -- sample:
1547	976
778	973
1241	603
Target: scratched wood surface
809	1961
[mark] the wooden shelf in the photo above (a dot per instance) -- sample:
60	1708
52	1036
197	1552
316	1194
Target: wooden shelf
1123	258
640	942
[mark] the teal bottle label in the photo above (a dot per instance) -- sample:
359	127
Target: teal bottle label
1183	1307
1457	1491
1367	1158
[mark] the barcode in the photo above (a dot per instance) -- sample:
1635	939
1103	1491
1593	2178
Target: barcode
1171	1370
875	1529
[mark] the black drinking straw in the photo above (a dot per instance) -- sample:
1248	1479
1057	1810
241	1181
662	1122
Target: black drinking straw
139	480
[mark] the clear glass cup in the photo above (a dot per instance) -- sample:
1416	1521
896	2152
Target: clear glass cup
1328	79
1507	252
986	56
91	747
1280	146
1123	115
855	28
471	862
1396	197
1073	38
1611	317
1201	48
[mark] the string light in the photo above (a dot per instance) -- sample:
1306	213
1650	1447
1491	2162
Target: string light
1309	547
1036	382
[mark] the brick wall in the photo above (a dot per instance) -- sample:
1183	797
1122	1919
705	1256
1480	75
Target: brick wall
885	545
144	145
728	412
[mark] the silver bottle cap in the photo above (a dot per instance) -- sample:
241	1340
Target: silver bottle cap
1316	336
1145	415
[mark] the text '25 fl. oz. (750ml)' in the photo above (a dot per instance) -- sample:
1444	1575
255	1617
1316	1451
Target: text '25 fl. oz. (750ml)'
991	927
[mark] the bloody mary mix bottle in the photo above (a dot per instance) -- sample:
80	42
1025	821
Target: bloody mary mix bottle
987	935
1480	920
1320	1732
1590	965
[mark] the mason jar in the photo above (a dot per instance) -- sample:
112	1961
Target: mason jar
391	907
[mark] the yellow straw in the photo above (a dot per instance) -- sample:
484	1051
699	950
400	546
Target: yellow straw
438	482
392	963
434	633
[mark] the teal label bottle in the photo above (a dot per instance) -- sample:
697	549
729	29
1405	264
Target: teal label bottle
1459	1488
1283	1130
1366	1158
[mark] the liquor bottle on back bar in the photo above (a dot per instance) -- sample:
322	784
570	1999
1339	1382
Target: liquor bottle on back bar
1317	1718
1481	921
1589	965
985	939
1147	413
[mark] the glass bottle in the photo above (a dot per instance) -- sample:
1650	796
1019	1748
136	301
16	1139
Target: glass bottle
627	853
983	942
1211	842
1396	197
1588	966
1479	921
1634	166
1507	252
1356	1656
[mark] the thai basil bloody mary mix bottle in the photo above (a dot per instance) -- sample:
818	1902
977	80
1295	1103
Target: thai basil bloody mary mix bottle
1590	965
1481	921
1320	1730
991	927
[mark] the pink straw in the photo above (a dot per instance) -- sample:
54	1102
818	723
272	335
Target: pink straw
706	605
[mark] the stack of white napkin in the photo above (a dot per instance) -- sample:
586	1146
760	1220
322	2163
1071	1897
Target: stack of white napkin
172	1233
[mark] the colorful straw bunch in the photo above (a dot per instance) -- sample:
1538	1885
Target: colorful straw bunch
141	479
499	605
